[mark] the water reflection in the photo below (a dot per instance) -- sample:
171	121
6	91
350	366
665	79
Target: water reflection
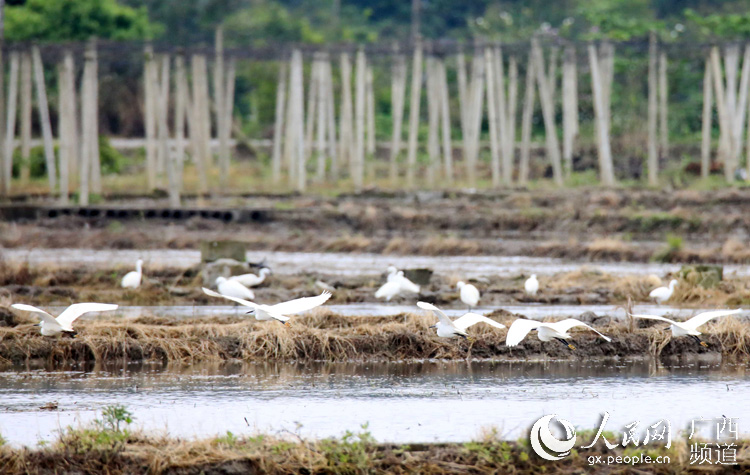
403	402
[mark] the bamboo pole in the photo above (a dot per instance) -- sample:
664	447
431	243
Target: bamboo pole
223	126
606	170
446	124
653	156
290	140
357	169
504	140
706	122
462	91
43	108
163	135
607	69
548	113
2	113
312	102
150	117
511	121
414	104
225	133
569	106
492	112
199	128
398	93
474	114
96	173
346	140
370	117
10	123
278	125
526	117
320	146
87	128
554	53
331	118
73	121
298	101
25	117
433	120
725	140
63	129
180	109
742	103
663	105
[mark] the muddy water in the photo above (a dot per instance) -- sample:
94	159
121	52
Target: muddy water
430	401
339	264
185	312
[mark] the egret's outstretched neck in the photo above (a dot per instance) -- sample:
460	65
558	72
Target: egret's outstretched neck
139	267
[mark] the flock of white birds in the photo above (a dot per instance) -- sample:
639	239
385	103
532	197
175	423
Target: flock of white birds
236	289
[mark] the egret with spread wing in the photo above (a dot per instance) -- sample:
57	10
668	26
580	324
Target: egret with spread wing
51	326
690	327
546	331
280	310
447	328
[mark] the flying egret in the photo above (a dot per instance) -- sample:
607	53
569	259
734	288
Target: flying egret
456	328
531	286
469	294
132	280
690	327
251	280
546	331
232	288
395	286
662	294
280	310
51	326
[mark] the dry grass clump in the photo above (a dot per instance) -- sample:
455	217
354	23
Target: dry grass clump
349	243
450	246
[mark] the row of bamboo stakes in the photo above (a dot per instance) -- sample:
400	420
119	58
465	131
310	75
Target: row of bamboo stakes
317	135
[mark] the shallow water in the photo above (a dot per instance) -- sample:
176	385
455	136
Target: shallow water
430	401
341	264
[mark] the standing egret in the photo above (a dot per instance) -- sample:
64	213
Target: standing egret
690	327
396	285
531	286
132	280
51	326
662	294
280	310
546	331
447	328
232	288
469	294
251	280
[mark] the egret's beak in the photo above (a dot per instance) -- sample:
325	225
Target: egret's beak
38	324
433	326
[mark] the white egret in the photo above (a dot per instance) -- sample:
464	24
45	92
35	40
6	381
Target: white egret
469	294
546	331
662	294
232	288
251	280
51	326
392	273
690	327
531	286
447	328
280	310
132	280
395	286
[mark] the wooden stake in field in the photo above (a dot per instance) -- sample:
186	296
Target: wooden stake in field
433	121
223	127
25	117
526	117
278	126
10	124
504	139
357	168
398	93
741	110
181	108
606	170
64	129
150	116
548	112
320	122
446	123
653	155
331	117
370	107
474	114
346	129
87	127
663	106
43	107
492	112
511	120
200	127
706	122
569	106
414	104
725	139
297	102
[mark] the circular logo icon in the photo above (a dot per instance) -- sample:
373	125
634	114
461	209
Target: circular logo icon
547	445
